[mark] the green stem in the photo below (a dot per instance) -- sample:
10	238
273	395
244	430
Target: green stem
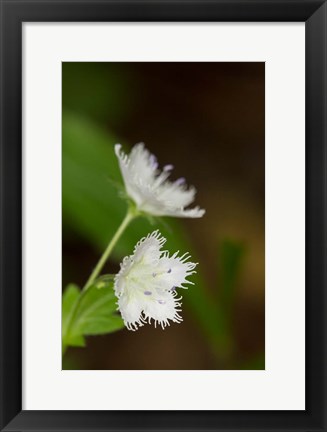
130	215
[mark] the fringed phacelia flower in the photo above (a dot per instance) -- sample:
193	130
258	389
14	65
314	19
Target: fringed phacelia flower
147	281
150	189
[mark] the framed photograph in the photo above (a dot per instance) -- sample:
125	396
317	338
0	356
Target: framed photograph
163	215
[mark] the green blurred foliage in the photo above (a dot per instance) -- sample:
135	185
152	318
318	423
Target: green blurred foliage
92	207
231	257
257	362
109	95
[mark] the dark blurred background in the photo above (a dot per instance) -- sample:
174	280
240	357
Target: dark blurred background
208	120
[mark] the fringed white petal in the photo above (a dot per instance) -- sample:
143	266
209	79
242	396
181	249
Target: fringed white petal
163	309
148	248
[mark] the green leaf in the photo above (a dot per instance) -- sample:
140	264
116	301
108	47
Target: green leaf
97	310
76	341
89	312
94	303
101	325
69	300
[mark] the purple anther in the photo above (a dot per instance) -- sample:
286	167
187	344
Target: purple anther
168	167
153	162
161	302
173	288
169	271
154	274
147	293
180	181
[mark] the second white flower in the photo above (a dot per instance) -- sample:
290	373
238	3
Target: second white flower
150	188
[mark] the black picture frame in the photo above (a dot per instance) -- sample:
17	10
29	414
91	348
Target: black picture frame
13	14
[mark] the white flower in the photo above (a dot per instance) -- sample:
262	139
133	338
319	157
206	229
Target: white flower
149	188
147	281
